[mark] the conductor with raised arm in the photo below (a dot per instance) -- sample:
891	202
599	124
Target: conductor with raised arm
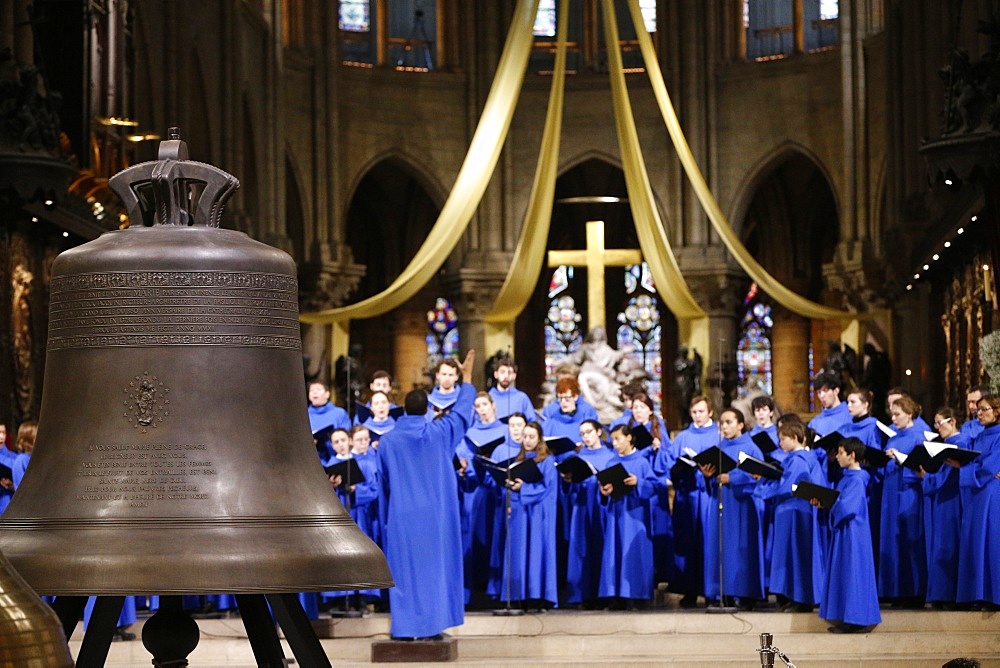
420	517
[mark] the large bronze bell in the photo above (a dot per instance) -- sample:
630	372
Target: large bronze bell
174	453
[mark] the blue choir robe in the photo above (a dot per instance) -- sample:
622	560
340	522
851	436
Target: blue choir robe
20	466
7	458
442	400
797	560
971	428
661	522
830	420
742	542
902	571
691	503
498	540
627	558
421	527
511	400
865	429
378	428
979	555
328	415
966	476
478	504
849	595
625	418
583	411
767	519
530	555
943	528
586	529
347	500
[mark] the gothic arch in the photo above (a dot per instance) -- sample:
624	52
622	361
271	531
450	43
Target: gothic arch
298	209
407	163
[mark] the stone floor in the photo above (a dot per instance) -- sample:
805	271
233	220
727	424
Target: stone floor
665	636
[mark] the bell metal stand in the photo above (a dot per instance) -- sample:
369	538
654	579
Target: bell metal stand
171	634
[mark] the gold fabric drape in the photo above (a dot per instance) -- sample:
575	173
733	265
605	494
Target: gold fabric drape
473	177
530	251
781	294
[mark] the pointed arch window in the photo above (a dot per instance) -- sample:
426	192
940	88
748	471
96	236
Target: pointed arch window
562	323
639	327
753	353
442	332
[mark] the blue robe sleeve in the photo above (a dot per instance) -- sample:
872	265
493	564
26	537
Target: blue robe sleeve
532	493
367	491
848	505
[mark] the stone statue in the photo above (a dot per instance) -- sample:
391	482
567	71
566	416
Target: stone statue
601	371
687	380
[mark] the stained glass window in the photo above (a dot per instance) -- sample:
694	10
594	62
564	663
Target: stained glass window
639	326
354	15
829	9
753	353
442	332
545	19
562	324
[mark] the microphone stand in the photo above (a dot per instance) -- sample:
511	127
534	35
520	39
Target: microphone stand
347	612
507	611
723	608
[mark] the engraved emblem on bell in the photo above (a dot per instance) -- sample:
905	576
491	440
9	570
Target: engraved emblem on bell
146	404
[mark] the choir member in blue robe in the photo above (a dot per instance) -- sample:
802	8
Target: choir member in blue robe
627	559
898	393
832	417
797	560
661	455
979	556
507	398
380	422
864	427
691	503
419	513
763	414
478	496
628	391
586	522
902	573
322	412
972	426
943	516
564	416
448	377
340	442
849	598
530	555
504	452
742	543
7	457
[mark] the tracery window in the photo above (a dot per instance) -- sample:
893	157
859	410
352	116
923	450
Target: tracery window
562	323
442	332
753	353
639	326
401	34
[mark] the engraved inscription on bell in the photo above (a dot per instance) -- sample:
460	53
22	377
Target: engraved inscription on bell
216	308
143	475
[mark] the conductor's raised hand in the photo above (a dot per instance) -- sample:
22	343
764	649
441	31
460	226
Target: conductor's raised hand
467	365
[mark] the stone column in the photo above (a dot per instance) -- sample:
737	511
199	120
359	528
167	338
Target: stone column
790	360
409	344
324	284
476	288
718	288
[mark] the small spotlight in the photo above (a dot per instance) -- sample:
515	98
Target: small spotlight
916	276
948	182
947	244
986	267
961	230
34	219
935	257
908	372
910	286
926	267
974	218
66	234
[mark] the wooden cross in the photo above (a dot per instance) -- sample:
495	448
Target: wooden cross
595	258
